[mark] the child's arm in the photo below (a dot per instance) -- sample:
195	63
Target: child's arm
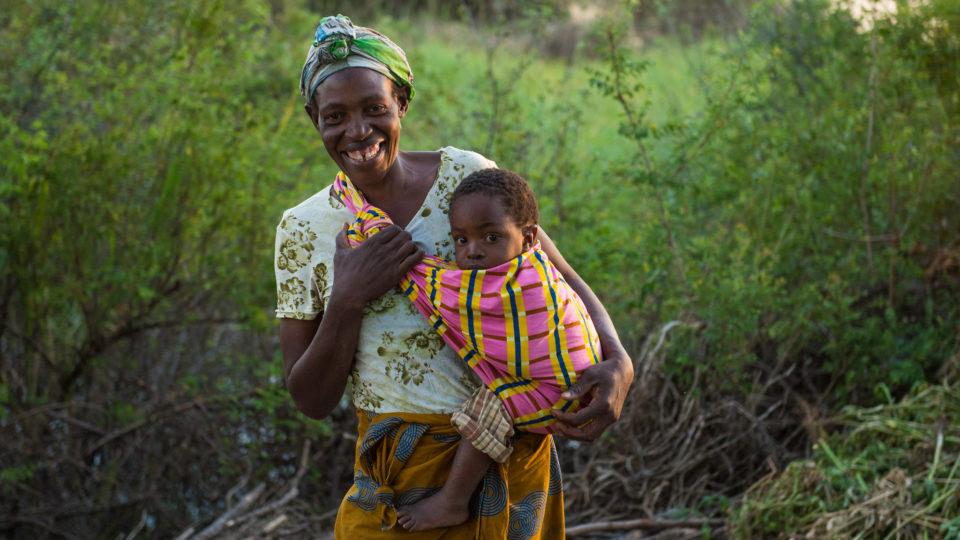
606	382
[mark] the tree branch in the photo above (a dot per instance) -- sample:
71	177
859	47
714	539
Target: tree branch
632	524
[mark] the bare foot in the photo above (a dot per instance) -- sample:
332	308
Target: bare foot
435	512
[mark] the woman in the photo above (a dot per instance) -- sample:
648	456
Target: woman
342	318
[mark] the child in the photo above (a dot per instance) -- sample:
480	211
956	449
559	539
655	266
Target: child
506	311
493	222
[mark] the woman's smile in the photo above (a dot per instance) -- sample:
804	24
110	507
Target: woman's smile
366	153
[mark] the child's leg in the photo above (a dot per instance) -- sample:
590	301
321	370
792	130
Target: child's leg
449	506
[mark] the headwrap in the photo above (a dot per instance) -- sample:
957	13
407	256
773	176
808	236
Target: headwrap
338	45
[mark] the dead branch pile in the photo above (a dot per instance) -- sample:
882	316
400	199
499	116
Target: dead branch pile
676	449
183	428
258	512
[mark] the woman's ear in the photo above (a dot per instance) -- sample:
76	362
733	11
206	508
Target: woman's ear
402	102
313	114
529	236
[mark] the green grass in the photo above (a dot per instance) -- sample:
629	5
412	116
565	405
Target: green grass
892	471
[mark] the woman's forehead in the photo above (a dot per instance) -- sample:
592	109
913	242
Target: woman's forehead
352	85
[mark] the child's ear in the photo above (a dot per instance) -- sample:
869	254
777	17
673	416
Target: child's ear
529	236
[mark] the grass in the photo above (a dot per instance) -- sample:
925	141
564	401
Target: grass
892	471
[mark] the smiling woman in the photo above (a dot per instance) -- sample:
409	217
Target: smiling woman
344	320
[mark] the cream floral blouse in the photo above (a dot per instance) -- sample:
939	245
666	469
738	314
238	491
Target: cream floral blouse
401	364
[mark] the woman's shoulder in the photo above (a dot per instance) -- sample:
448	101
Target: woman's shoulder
466	161
320	211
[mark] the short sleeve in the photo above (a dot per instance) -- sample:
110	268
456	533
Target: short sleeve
301	281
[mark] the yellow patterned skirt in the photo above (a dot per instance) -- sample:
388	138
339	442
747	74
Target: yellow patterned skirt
403	457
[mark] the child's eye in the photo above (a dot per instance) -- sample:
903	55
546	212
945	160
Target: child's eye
459	240
491	237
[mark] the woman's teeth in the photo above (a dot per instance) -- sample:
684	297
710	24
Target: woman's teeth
364	154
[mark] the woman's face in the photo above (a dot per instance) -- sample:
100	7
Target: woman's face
358	116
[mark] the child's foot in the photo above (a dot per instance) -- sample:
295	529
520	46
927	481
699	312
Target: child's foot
434	512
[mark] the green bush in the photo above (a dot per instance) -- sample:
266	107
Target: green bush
893	470
805	230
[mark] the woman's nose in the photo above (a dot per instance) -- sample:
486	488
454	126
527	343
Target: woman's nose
358	130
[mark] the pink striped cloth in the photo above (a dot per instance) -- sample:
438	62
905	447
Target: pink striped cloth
519	326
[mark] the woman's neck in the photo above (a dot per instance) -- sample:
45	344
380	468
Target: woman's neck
401	191
397	181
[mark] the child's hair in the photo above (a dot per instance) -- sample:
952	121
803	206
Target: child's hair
510	187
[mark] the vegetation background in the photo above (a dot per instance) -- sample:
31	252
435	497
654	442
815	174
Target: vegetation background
765	194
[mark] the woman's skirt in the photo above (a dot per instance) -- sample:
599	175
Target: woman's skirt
403	457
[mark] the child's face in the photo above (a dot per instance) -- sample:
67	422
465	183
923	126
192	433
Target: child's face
484	235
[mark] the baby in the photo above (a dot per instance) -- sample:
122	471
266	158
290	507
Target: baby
508	313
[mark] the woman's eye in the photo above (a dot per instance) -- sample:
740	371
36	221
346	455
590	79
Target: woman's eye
332	118
377	109
491	237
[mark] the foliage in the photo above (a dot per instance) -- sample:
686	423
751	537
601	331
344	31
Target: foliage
893	471
798	222
770	214
139	178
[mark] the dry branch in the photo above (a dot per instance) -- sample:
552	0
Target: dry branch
221	522
633	524
237	520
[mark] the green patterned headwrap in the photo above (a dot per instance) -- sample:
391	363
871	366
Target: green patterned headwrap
338	45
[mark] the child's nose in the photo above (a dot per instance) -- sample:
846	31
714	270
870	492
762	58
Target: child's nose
474	251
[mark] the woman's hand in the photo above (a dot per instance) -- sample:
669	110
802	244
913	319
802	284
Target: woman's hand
366	272
318	355
607	384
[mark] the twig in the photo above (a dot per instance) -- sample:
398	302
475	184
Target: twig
232	492
75	422
631	524
155	416
291	493
274	523
265	509
867	151
221	522
646	357
877	238
37	522
328	514
140	525
187	533
97	344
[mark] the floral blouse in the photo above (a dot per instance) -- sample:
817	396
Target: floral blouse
401	364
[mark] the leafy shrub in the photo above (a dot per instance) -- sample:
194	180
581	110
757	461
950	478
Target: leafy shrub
893	469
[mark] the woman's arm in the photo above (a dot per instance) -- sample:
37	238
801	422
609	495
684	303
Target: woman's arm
317	356
606	382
